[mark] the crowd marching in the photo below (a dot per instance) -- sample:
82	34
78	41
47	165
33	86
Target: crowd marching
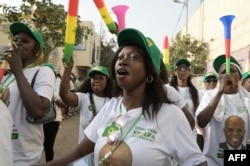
130	113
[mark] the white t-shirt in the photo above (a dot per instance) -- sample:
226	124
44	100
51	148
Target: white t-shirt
184	92
86	114
235	104
57	96
6	124
174	96
150	142
202	92
71	85
28	138
57	88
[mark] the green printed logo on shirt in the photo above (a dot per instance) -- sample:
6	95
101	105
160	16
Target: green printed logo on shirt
220	153
241	109
90	107
14	134
146	134
109	129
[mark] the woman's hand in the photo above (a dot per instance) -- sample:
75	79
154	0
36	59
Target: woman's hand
13	56
227	84
69	67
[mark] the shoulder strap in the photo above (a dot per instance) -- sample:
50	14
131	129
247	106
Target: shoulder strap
33	79
93	104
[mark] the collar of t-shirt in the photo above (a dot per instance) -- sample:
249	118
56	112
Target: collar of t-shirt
231	148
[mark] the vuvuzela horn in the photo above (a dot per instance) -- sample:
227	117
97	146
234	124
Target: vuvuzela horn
102	8
166	52
227	21
120	12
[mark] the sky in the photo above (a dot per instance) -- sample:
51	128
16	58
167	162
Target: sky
154	18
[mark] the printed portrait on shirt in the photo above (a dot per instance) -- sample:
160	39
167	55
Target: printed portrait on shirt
234	132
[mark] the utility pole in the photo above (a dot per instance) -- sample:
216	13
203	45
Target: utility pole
185	3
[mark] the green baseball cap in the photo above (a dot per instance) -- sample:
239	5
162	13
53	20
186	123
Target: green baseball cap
182	61
135	36
18	27
221	59
210	74
98	69
245	75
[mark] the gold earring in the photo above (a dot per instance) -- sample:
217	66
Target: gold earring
150	79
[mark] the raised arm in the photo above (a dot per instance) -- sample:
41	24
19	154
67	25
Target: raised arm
206	115
69	98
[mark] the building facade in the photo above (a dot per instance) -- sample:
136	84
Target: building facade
85	55
205	25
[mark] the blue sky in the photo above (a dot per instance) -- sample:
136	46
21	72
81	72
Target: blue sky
155	18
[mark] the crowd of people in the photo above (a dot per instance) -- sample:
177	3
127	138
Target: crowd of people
130	112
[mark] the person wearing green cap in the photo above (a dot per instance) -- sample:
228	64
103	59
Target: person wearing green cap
24	61
210	81
181	81
171	92
140	125
246	80
92	95
229	98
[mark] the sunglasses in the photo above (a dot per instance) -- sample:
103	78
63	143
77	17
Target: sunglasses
209	81
182	67
115	137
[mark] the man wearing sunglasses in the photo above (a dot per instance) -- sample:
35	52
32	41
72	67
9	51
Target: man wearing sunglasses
210	82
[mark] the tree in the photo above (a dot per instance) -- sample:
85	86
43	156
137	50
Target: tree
107	51
48	18
190	48
108	47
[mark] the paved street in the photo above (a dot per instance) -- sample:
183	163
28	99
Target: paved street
67	136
